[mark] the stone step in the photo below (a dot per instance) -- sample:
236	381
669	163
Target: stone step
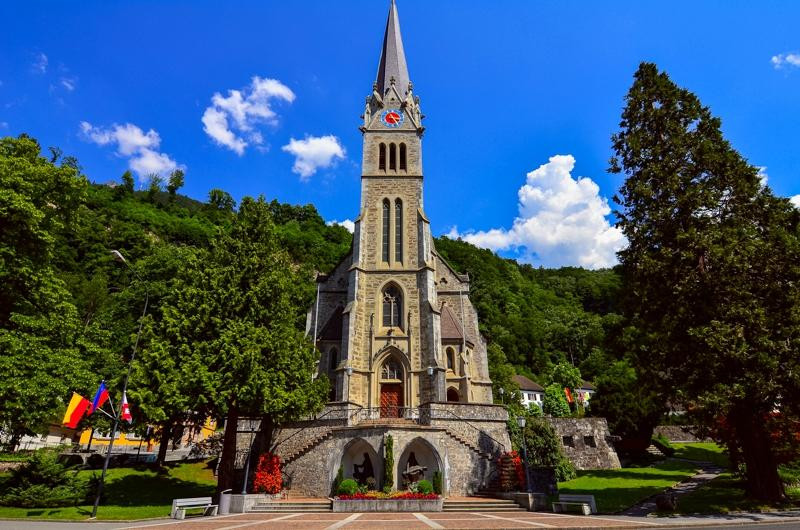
514	508
281	509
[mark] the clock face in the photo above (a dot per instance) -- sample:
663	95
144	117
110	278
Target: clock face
392	117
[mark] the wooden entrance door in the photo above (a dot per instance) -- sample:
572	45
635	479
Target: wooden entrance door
391	400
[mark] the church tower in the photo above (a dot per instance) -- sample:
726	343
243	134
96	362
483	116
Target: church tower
395	325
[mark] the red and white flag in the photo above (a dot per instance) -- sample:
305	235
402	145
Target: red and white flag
126	409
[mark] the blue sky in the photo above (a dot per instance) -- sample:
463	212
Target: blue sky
506	86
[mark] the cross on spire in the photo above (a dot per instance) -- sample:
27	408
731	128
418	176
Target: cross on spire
393	58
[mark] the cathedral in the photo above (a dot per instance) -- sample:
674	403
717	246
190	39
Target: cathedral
397	334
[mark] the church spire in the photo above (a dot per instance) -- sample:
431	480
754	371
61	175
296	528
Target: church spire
393	59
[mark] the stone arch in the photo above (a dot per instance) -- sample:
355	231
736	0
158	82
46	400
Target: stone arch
353	458
393	355
453	395
425	454
400	307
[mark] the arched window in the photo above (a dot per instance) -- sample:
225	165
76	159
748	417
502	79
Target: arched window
451	359
392	307
382	156
392	157
398	230
333	359
386	212
452	395
391	370
402	157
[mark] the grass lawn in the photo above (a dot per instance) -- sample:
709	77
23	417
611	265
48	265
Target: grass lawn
726	494
703	452
617	489
132	494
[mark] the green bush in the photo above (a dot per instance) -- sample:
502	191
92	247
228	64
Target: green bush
424	486
388	461
43	482
437	482
347	487
338	480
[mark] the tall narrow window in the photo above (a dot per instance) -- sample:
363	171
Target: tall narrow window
402	157
382	156
386	213
392	307
333	359
451	359
398	230
392	157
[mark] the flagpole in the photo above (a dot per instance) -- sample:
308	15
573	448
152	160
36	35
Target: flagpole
119	257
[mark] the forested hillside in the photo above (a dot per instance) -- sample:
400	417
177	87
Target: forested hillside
69	311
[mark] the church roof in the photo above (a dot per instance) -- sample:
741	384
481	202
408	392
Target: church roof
393	58
451	329
333	328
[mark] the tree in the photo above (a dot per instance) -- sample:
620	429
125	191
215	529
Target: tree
175	183
221	200
566	376
42	343
710	274
154	184
233	325
125	189
555	402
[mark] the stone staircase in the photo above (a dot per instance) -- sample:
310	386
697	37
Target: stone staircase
655	451
302	506
307	447
481	504
470	445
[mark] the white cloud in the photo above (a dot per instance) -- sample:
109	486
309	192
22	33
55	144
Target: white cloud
762	175
39	65
69	83
139	147
314	152
231	120
347	223
783	60
795	199
561	221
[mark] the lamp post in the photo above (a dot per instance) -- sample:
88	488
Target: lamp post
249	452
119	257
521	422
502	394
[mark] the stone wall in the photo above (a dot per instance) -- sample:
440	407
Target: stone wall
585	441
679	433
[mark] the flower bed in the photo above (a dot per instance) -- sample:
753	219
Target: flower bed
379	495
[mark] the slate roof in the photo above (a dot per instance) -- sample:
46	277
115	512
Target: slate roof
588	386
393	58
451	329
526	384
333	328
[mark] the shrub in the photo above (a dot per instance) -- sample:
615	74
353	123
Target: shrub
424	487
268	474
43	482
347	487
388	461
555	401
338	480
370	483
437	482
544	449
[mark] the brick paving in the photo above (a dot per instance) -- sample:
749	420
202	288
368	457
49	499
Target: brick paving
276	521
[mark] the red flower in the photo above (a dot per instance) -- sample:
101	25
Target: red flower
268	474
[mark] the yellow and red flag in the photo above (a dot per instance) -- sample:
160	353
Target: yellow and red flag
77	407
569	395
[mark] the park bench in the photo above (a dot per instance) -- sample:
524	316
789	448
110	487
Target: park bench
583	503
179	506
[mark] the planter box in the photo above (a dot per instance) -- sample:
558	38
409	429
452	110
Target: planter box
389	505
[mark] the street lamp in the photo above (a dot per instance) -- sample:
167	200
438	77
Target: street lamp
119	257
502	393
430	371
521	423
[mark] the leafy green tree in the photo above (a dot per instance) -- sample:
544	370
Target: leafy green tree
555	402
710	274
544	448
175	183
233	324
42	343
221	200
154	184
566	376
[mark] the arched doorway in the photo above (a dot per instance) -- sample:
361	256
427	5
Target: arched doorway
391	388
360	461
452	395
418	456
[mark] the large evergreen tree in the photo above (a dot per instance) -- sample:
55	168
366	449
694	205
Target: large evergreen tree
710	274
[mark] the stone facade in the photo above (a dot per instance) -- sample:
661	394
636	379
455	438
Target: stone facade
586	442
679	433
397	334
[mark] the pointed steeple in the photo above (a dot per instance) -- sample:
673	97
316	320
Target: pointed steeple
393	58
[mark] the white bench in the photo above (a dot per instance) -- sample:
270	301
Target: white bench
179	506
584	503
